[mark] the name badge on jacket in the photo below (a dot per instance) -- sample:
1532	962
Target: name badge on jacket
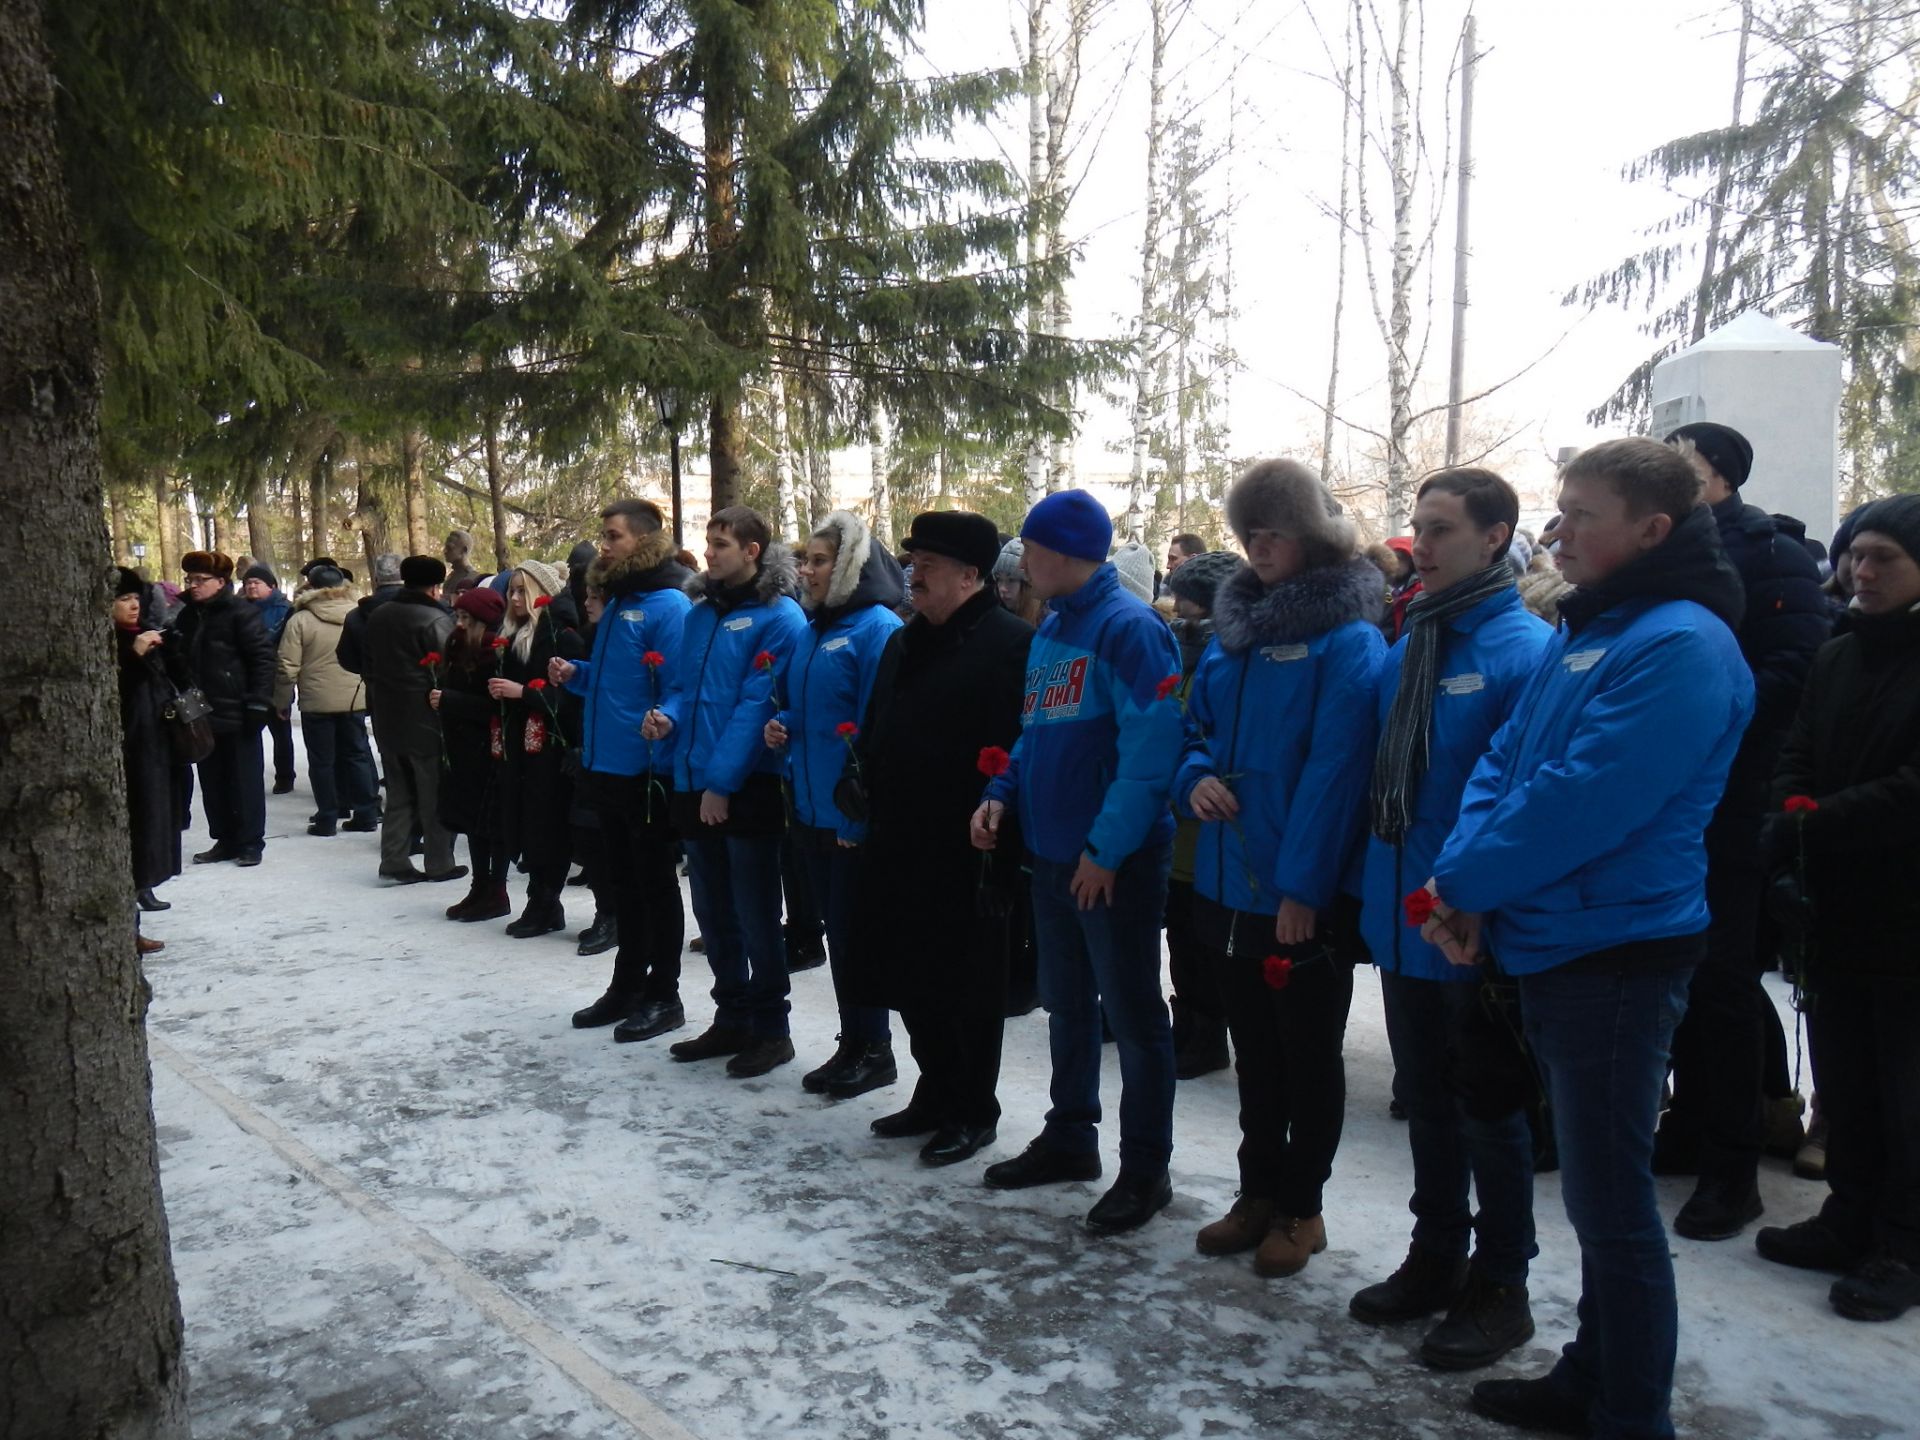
1284	652
739	622
1582	660
1466	684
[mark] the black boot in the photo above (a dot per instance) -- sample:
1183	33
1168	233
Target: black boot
871	1067
1425	1283
612	1006
1532	1405
150	901
1199	1042
542	916
1487	1321
601	936
844	1053
1719	1209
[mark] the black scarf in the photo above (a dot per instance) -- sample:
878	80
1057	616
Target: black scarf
1402	757
1688	565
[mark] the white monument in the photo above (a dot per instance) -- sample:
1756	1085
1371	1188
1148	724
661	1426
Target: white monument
1780	390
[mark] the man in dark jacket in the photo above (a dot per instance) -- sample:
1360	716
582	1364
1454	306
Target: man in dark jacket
1719	1051
262	587
933	928
351	654
219	644
400	636
1844	799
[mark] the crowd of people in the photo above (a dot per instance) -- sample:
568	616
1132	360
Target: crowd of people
1573	796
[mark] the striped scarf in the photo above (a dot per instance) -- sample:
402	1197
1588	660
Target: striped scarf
1402	757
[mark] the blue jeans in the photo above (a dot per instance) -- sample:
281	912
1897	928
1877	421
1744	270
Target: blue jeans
1603	1040
340	766
736	899
1107	958
1455	1153
833	878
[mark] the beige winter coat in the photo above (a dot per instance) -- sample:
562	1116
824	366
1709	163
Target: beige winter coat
306	656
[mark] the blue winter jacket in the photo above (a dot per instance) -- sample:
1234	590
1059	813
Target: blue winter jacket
1583	827
719	700
646	611
275	611
1282	710
1487	656
830	677
1098	743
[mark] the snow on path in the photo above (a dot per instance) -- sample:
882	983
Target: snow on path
513	1167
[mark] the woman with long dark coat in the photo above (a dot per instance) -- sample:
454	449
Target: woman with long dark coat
472	727
541	625
153	812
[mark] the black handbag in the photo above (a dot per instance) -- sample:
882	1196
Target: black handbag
189	717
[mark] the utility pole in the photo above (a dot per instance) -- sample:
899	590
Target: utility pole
1456	370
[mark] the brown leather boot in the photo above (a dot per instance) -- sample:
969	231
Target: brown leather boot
1289	1245
1241	1228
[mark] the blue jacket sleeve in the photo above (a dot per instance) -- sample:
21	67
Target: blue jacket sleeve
1142	655
1323	820
1196	756
873	638
1638	743
738	747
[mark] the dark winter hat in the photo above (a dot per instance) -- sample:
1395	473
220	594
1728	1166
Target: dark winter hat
1843	537
261	572
306	570
325	577
207	562
1201	577
958	534
1726	449
127	582
421	571
487	606
1070	522
1897	517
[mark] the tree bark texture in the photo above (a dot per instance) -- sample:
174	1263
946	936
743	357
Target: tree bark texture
1149	338
496	492
90	1327
418	541
259	520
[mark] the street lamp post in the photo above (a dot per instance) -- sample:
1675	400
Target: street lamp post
667	401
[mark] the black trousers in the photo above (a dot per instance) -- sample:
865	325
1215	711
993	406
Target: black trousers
956	1042
282	732
1866	1052
233	789
637	846
805	929
1720	1049
1196	988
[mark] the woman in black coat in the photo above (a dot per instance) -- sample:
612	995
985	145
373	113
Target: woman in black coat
541	624
472	729
153	813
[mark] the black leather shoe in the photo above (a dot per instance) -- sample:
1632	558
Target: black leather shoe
1485	1323
655	1017
362	824
905	1124
1531	1405
539	918
713	1042
1133	1200
608	1008
845	1052
150	901
870	1069
953	1143
1883	1287
601	936
1808	1245
761	1056
323	828
1424	1284
221	851
438	877
1717	1211
1041	1164
248	857
283	787
408	876
805	960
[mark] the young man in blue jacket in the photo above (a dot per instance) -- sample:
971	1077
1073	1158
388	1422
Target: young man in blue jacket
1091	771
1468	650
726	684
626	778
1580	842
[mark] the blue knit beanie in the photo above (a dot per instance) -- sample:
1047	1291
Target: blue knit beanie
1071	522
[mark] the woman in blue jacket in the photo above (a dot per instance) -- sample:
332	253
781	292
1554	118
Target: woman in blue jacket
1281	744
850	587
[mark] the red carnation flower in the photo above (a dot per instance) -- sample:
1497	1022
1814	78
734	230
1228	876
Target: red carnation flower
993	762
1166	687
1800	805
540	602
536	684
653	659
846	729
1420	905
1277	970
763	661
499	642
431	658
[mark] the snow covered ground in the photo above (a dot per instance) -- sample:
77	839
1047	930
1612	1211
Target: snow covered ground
407	1200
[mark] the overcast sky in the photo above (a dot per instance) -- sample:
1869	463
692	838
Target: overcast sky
1566	95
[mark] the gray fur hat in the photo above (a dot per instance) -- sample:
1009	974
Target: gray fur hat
1284	495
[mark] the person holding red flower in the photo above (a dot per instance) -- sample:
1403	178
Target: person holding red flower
1467	650
729	807
1279	747
851	587
1845	793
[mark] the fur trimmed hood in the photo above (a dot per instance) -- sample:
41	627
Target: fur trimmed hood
1247	613
651	567
332	604
863	573
778	576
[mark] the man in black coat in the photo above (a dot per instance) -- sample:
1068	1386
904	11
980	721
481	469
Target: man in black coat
400	635
1719	1051
219	643
934	932
351	655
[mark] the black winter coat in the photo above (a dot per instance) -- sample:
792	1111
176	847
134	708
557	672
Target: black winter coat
539	791
1785	622
1855	748
475	773
222	646
943	693
154	820
399	635
351	654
